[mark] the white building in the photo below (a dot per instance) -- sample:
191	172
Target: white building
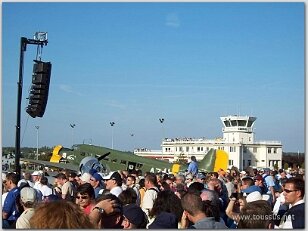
238	141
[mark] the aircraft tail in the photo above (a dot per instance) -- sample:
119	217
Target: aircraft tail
55	158
214	160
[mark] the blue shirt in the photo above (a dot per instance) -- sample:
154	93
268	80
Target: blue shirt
9	206
193	168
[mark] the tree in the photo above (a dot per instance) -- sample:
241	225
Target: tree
285	166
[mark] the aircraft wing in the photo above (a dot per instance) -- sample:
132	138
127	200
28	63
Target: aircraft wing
68	166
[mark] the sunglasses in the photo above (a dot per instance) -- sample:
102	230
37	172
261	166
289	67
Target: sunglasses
288	191
82	197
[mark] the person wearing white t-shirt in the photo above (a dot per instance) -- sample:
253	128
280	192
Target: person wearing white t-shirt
113	182
150	195
45	189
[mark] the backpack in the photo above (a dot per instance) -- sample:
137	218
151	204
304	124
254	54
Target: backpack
265	188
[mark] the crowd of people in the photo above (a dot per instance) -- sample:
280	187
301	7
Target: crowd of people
258	199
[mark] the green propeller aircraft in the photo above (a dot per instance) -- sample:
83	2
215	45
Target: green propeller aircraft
112	160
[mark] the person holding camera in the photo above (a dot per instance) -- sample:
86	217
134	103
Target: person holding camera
236	204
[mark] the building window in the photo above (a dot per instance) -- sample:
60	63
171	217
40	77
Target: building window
249	162
269	150
263	160
255	150
230	162
198	149
244	149
232	149
201	149
275	150
187	149
181	149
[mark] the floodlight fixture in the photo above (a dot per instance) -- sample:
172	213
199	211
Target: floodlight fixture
40	36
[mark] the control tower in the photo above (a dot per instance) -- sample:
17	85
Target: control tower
238	129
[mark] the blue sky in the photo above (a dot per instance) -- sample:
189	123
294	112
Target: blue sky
133	63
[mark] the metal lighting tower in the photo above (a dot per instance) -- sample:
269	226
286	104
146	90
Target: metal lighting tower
40	39
112	124
72	126
37	141
161	120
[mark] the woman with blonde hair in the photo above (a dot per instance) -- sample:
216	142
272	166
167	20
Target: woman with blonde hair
60	214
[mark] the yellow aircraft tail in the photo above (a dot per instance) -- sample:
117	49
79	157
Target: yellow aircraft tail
55	158
214	160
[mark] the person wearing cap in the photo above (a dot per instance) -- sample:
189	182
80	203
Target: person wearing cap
66	187
10	211
269	182
85	178
96	182
259	182
243	174
248	185
200	178
72	178
28	200
113	182
28	177
36	177
189	180
134	217
236	203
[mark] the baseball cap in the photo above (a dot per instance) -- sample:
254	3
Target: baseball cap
256	196
27	194
36	173
258	177
73	174
200	176
97	176
113	175
134	214
251	189
189	176
86	177
61	175
92	171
